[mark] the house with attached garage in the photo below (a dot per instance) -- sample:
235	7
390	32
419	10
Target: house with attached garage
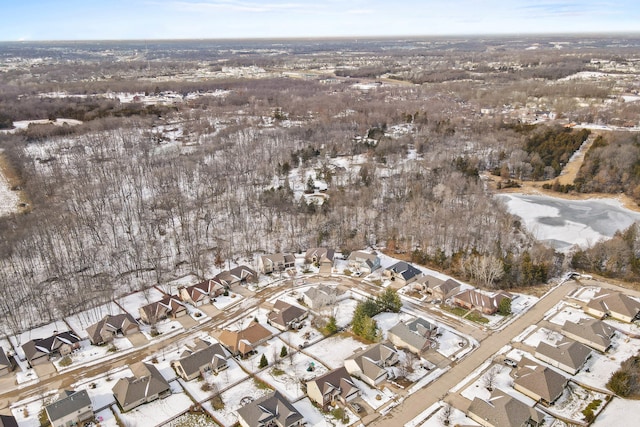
332	388
363	262
145	386
285	316
238	275
438	289
276	262
472	299
272	410
402	273
200	358
169	306
371	363
243	343
592	332
568	355
112	326
417	335
502	410
320	296
614	304
71	410
202	293
322	257
541	383
40	351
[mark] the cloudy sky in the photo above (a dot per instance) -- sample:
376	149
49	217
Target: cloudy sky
170	19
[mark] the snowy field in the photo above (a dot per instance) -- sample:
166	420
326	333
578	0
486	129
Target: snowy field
286	377
156	413
619	412
564	223
542	334
233	399
601	366
132	303
8	199
334	350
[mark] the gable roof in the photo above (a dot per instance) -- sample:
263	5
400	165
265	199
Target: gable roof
502	410
319	253
270	408
205	288
482	300
48	345
192	361
416	333
243	341
68	405
405	270
284	313
591	330
568	352
338	379
279	258
237	274
363	257
320	291
110	323
147	381
371	360
541	380
615	302
4	361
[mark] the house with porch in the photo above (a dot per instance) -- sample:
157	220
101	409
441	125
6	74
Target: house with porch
285	316
199	359
331	388
276	262
111	326
272	410
371	363
145	386
40	351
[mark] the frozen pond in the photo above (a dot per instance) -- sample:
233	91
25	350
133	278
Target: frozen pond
563	223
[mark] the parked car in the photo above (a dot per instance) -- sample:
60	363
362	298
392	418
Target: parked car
510	362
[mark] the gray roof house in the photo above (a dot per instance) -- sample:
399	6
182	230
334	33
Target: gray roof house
8	421
272	410
502	410
111	326
333	387
5	364
568	355
361	261
201	358
42	350
371	363
540	383
319	296
72	409
146	385
417	335
275	262
402	273
594	333
285	316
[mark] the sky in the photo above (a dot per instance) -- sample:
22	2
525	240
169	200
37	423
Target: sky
222	19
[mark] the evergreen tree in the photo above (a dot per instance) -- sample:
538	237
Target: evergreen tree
263	362
332	326
504	307
283	351
389	301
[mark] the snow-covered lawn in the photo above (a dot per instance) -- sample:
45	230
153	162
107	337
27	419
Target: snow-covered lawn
334	350
99	388
106	418
585	294
619	412
231	376
270	349
259	314
235	398
26	411
307	334
543	334
501	380
529	329
574	400
602	366
164	327
449	343
221	302
89	354
291	370
159	411
373	396
79	322
436	417
387	321
566	313
315	418
133	302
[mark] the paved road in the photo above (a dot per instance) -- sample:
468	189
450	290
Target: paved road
422	399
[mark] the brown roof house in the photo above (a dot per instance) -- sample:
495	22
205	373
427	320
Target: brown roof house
502	410
363	262
275	262
202	357
320	296
540	383
285	316
72	409
611	303
110	327
39	351
145	386
238	275
334	387
473	299
371	364
201	293
438	289
272	410
568	355
594	333
5	364
244	342
417	335
169	306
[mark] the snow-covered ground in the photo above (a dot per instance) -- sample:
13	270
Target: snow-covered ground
619	412
286	377
567	313
543	334
132	303
8	199
601	366
585	294
233	399
156	413
334	350
89	354
79	322
44	331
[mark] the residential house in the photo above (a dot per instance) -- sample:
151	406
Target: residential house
39	351
8	421
472	299
201	358
272	410
363	262
371	363
285	316
5	364
145	386
323	257
332	388
320	296
202	293
169	306
594	333
417	335
72	409
438	289
615	304
568	355
275	262
402	273
238	275
540	383
110	327
502	410
245	341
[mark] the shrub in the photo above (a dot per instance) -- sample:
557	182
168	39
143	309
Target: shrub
340	414
66	361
